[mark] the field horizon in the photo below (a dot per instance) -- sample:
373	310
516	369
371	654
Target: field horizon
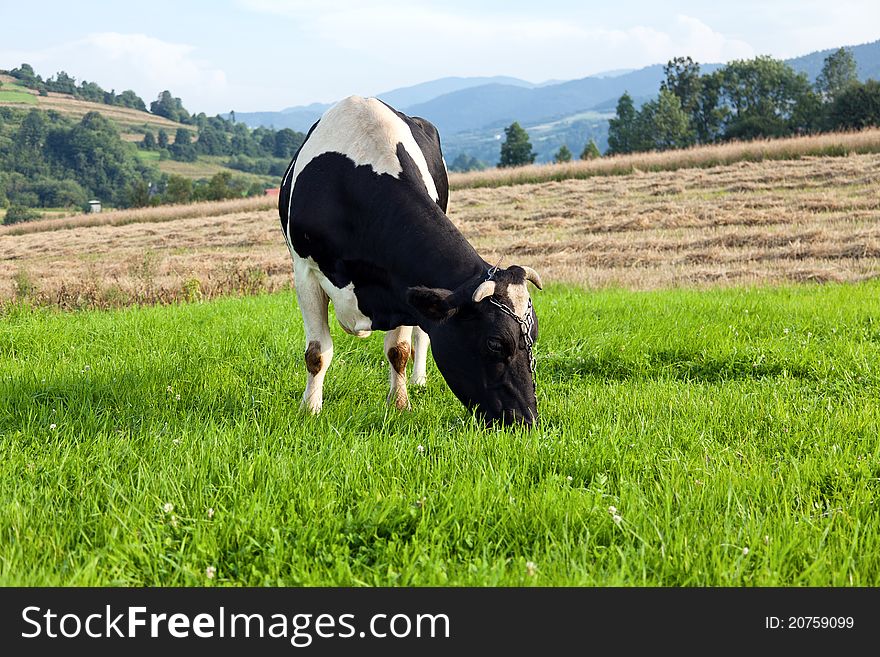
813	218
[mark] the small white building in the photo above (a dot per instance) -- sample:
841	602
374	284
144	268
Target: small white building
94	206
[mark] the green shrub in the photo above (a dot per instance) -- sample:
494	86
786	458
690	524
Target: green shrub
17	214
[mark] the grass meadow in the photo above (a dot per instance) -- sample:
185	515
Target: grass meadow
723	437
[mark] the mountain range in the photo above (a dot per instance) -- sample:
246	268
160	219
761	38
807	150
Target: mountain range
471	112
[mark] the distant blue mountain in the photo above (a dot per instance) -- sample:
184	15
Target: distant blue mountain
496	104
302	117
472	112
867	56
421	93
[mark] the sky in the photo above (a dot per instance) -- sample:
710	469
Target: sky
267	55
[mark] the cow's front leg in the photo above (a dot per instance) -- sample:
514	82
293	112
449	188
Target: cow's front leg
313	303
420	343
398	347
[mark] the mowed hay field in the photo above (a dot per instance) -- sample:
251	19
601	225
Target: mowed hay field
812	219
708	392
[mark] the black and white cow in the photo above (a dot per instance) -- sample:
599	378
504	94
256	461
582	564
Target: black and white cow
362	208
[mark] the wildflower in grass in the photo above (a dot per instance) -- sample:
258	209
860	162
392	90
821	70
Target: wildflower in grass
612	510
53	426
420	449
745	551
168	507
210	571
177	396
174	521
176	441
617	519
531	568
766	540
210	513
169	389
570	478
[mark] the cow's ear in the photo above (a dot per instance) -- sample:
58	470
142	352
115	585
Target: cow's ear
433	302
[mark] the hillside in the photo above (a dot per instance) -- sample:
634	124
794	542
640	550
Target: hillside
59	162
130	122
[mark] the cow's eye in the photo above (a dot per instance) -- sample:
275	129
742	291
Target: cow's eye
494	345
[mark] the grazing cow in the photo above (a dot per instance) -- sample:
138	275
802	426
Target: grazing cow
363	210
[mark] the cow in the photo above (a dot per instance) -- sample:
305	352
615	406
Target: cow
363	210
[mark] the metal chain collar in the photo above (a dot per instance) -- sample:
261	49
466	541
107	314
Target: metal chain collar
525	325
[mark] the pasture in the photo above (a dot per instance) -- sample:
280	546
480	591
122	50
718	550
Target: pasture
721	437
707	382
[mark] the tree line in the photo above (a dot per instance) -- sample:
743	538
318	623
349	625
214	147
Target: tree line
50	160
63	83
745	99
260	150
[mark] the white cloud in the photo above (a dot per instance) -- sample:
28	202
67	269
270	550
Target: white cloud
643	45
393	44
132	61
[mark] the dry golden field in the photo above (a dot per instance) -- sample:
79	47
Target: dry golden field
809	219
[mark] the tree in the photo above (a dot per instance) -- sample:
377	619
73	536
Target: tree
29	141
562	155
857	107
684	81
621	129
182	149
709	115
162	138
26	74
517	149
178	189
591	151
149	141
286	142
764	97
170	107
138	194
464	162
838	73
212	141
129	98
662	124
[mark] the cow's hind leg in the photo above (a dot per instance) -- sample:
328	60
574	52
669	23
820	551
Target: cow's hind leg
398	346
420	343
313	303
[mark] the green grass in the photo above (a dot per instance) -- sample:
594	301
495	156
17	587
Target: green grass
17	97
15	93
735	432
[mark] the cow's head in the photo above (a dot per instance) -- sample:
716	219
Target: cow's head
481	336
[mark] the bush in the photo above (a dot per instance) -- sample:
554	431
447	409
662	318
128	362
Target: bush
18	214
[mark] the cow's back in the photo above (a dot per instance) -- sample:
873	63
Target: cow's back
369	133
